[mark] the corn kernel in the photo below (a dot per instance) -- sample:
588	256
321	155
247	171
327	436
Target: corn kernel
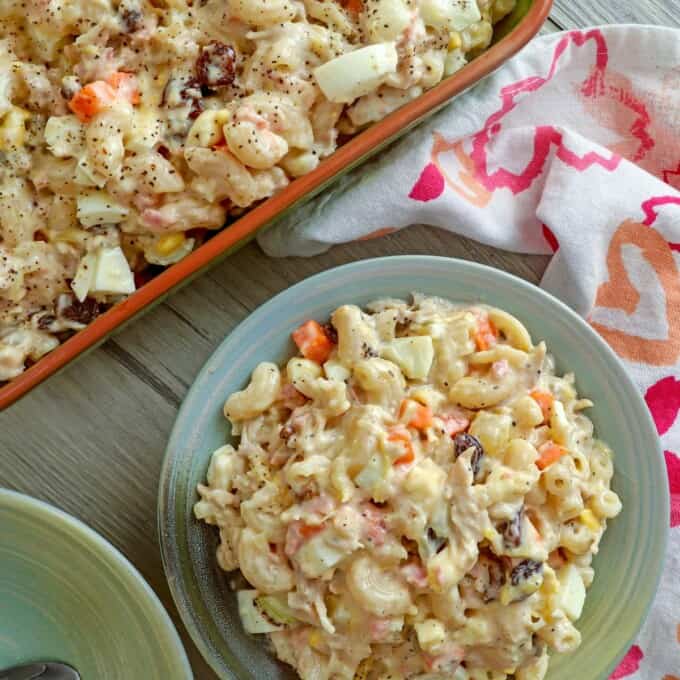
169	243
588	518
550	585
70	235
506	595
317	45
489	534
430	633
12	129
455	41
316	640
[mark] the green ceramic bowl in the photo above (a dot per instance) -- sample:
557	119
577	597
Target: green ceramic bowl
631	557
68	595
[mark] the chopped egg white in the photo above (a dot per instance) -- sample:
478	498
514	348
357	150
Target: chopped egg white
64	136
456	15
98	207
572	594
356	73
413	355
105	272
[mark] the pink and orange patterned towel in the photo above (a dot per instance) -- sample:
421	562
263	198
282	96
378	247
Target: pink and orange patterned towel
573	148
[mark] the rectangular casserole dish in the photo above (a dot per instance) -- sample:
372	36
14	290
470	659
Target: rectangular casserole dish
512	34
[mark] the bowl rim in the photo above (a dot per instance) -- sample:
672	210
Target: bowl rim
177	588
30	506
236	233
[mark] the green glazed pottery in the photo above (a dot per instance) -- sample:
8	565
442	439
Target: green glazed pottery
68	595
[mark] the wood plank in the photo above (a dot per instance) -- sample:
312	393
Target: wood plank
250	277
575	13
90	441
550	26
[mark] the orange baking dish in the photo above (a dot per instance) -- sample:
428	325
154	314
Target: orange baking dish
512	34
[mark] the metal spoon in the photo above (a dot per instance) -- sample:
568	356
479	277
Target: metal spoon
40	671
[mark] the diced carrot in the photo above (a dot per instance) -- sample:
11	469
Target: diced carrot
312	341
100	94
92	99
309	530
544	400
420	416
399	434
353	6
298	533
125	85
407	458
486	334
548	454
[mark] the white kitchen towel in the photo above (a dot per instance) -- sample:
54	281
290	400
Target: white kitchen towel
572	148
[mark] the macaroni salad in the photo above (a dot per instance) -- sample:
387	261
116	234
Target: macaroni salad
418	495
129	128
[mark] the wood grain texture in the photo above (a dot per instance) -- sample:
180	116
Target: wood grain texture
91	439
575	13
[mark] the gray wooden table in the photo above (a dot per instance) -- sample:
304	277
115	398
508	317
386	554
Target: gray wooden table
91	440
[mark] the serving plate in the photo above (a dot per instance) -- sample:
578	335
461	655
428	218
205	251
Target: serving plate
631	557
511	35
67	594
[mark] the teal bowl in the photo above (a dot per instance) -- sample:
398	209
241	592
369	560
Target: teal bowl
631	556
68	595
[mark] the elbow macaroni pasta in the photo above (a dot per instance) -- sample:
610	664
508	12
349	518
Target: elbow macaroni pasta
398	526
131	128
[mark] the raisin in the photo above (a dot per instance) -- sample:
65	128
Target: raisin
182	92
46	321
192	93
409	545
63	336
462	443
402	327
198	233
83	312
367	351
493	577
70	86
216	65
132	20
331	333
525	570
512	531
